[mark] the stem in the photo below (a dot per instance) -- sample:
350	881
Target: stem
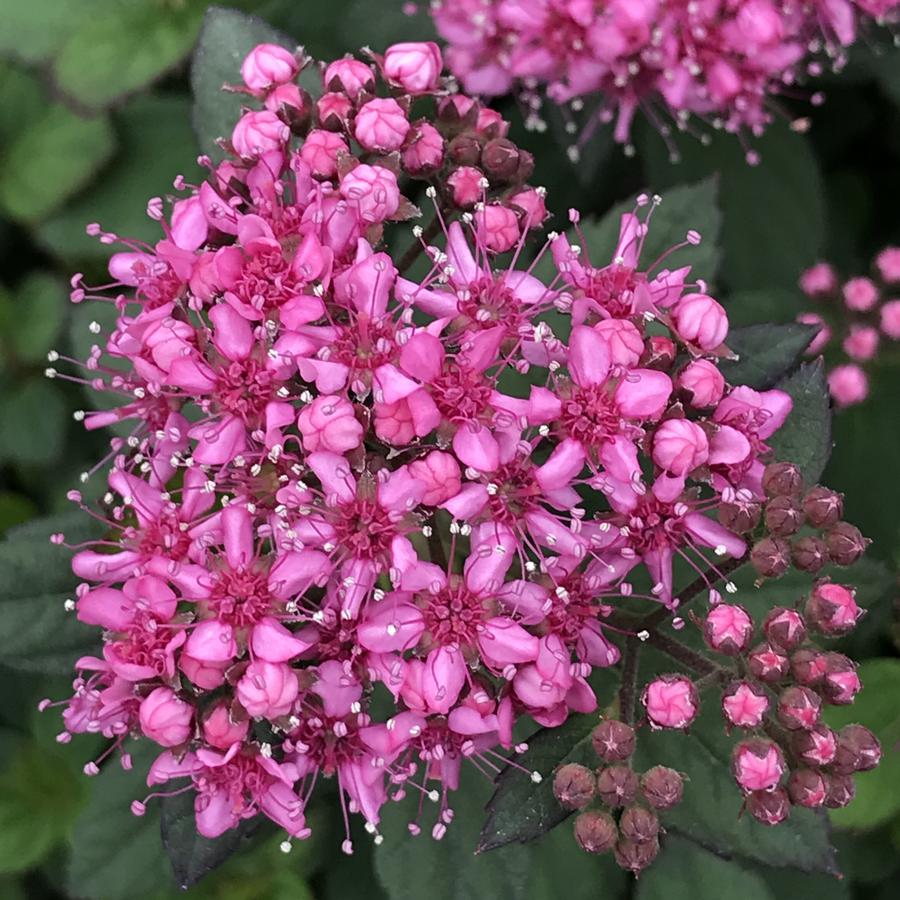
689	658
413	251
628	689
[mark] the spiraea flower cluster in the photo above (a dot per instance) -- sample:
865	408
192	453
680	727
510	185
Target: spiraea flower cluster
854	316
377	505
725	63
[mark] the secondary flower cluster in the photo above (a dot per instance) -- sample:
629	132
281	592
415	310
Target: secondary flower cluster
857	314
373	508
724	62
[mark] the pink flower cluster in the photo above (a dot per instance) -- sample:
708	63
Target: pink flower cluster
364	520
857	313
725	61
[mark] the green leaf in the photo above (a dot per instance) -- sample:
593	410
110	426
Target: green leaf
710	813
34	423
32	319
50	160
34	30
225	39
129	45
117	855
765	353
684	871
191	855
805	438
14	509
521	810
877	799
156	144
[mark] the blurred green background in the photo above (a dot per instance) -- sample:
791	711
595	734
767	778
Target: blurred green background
95	117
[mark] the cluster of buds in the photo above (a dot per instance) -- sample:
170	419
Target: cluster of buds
617	806
341	483
854	316
727	63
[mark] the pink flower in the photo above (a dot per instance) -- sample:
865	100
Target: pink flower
848	384
671	701
166	718
823	335
268	65
819	280
381	125
728	629
860	294
862	342
416	67
888	264
890	319
832	608
745	705
758	765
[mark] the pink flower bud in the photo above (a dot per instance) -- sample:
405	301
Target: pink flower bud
441	475
334	111
841	682
320	151
808	667
769	807
832	609
671	701
702	381
466	186
815	747
819	280
659	353
490	123
381	125
861	343
613	741
890	319
414	66
700	320
858	750
823	335
267	65
728	629
257	133
329	423
267	690
165	717
784	628
297	102
798	708
220	730
349	76
757	765
530	202
768	663
624	342
372	191
888	263
860	294
424	152
206	675
662	787
745	705
498	227
679	446
574	786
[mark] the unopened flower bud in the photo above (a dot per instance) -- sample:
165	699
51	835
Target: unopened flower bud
617	786
740	517
798	708
768	663
267	689
831	609
807	787
840	790
464	150
414	66
815	747
500	159
757	764
662	787
635	857
498	227
841	683
809	554
858	750
613	741
784	628
381	125
424	152
256	133
465	186
267	65
671	701
639	824
782	480
769	807
745	704
165	717
349	76
700	320
333	111
679	446
574	786
595	831
728	629
783	516
845	543
659	353
771	557
219	729
822	507
702	383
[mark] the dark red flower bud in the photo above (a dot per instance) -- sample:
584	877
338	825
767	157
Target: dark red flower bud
617	786
841	682
807	787
744	704
613	740
768	663
639	824
659	353
831	608
595	831
799	708
782	480
574	786
771	557
808	667
783	516
845	543
728	629
841	791
464	150
662	787
769	807
634	857
740	517
822	507
809	554
500	159
858	750
784	628
815	747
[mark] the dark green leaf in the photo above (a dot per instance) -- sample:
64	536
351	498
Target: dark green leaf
765	353
14	509
34	422
33	318
805	438
191	855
